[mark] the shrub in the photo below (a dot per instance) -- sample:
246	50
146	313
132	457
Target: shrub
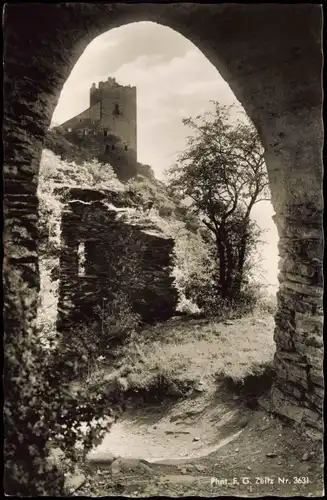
117	319
49	413
87	344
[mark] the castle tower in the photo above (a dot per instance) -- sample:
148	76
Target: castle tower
115	105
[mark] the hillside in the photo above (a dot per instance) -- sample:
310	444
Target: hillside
80	151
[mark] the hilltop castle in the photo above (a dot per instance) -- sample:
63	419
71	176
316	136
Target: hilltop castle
108	128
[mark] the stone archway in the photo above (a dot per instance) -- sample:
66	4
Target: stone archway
272	59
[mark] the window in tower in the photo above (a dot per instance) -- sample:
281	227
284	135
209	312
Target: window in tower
117	110
105	132
126	148
106	149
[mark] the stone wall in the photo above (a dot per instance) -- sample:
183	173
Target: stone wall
299	387
111	232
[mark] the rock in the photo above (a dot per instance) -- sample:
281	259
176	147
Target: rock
196	439
174	418
243	423
99	458
228	322
74	482
177	432
249	468
200	468
306	457
237	450
129	464
272	454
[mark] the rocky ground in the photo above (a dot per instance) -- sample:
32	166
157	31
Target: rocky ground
266	458
218	441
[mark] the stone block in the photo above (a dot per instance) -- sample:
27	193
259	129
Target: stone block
315	400
121	465
286	406
303	289
74	482
314	434
283	339
317	377
308	323
314	357
96	458
315	421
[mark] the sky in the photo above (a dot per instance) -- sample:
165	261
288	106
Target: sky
174	80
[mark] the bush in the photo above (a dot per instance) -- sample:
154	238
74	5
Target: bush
40	378
87	344
48	414
117	320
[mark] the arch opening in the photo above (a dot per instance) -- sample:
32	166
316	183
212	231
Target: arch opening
290	130
172	85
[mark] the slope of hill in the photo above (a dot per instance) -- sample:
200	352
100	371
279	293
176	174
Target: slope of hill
73	149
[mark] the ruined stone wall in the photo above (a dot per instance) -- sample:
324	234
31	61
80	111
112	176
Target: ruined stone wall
84	119
87	219
112	112
298	391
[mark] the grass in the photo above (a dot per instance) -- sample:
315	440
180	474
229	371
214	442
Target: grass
173	358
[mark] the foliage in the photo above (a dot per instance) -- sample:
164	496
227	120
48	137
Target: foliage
114	319
147	191
221	176
193	269
48	412
54	171
117	319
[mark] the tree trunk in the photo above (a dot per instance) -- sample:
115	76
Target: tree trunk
222	267
240	265
230	271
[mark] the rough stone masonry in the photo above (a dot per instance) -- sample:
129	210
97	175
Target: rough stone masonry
273	63
120	244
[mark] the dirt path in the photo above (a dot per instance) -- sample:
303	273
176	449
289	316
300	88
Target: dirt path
208	448
213	442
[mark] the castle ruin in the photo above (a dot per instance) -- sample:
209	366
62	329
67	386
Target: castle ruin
108	128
